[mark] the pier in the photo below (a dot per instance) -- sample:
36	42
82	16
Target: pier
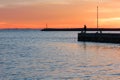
99	37
80	29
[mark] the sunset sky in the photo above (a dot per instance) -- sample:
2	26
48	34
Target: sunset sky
58	13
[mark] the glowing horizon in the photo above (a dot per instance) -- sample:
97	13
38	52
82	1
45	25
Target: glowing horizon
58	13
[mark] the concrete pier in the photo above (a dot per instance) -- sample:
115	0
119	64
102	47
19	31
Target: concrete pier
99	37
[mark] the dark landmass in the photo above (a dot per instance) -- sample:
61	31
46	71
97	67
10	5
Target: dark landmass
80	29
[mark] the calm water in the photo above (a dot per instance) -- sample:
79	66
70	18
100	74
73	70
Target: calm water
36	55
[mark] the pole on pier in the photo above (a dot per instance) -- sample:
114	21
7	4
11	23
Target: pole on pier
97	19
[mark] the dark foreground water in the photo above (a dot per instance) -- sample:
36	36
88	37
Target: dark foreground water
36	55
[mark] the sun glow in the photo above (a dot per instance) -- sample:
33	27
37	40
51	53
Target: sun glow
110	19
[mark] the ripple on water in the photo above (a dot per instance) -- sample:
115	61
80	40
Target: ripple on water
36	55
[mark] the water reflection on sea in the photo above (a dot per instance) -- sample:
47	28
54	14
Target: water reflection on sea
35	55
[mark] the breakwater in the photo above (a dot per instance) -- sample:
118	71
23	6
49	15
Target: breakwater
80	29
99	37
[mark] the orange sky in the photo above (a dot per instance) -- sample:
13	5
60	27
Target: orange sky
58	13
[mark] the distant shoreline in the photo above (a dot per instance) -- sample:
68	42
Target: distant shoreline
20	29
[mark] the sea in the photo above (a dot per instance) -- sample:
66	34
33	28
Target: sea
52	55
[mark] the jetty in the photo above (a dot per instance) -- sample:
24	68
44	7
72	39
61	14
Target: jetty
99	36
80	29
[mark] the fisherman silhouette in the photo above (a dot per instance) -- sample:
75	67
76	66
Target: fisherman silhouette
85	27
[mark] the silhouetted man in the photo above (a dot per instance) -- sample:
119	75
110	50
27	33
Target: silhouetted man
85	27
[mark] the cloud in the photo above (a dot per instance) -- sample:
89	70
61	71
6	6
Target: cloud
4	3
3	23
14	2
37	12
29	2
